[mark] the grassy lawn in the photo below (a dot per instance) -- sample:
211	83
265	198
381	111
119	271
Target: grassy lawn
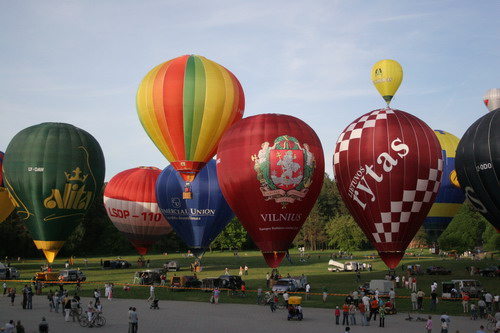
314	267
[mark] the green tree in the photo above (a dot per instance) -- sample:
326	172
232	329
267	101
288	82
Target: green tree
465	231
491	238
232	237
329	204
345	234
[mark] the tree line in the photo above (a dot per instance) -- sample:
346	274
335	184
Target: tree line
328	226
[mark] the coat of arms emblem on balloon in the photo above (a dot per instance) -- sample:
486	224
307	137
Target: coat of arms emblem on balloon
284	169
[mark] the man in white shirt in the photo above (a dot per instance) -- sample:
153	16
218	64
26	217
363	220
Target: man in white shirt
9	327
392	297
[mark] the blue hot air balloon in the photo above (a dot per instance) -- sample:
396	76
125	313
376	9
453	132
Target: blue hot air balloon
199	220
450	197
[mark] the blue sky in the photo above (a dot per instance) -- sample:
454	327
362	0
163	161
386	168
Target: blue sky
80	62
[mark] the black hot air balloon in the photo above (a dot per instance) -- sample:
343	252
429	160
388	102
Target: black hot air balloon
478	166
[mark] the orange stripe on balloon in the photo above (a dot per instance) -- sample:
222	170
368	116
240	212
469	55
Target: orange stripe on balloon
173	99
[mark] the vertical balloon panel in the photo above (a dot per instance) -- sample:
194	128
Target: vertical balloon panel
478	166
388	167
53	172
130	201
197	221
271	170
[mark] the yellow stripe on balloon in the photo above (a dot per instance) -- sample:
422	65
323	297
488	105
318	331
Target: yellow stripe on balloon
214	103
444	209
146	110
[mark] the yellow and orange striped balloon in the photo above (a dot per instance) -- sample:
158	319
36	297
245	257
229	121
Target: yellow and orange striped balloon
185	105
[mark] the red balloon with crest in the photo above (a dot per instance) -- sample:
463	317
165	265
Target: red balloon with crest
270	169
388	166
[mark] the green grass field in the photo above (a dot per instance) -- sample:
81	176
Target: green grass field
314	266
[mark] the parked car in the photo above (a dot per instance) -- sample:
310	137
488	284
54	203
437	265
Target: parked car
438	270
489	271
186	281
71	275
172	266
292	284
46	278
149	276
230	282
7	272
118	263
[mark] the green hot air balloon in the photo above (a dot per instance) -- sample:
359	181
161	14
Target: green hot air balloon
53	172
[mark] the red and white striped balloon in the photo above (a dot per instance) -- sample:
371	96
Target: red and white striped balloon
130	200
388	166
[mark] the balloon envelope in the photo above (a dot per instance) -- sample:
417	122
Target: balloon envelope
130	201
53	171
491	99
197	221
449	198
387	75
185	105
271	170
478	166
6	206
388	167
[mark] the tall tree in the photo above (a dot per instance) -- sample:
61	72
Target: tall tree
465	231
345	234
232	237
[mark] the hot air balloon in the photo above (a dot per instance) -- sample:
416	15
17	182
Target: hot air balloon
200	220
6	206
271	170
491	99
478	166
387	76
388	167
53	172
449	198
185	105
130	201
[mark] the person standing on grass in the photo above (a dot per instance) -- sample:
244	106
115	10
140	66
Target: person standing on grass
414	300
420	299
151	293
4	288
216	295
465	301
325	294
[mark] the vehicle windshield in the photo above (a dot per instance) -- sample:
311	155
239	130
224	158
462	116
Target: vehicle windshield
282	283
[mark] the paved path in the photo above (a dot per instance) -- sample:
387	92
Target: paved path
175	316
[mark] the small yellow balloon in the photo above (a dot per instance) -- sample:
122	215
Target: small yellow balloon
387	76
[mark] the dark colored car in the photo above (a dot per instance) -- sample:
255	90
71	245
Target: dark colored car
230	281
489	271
112	264
438	270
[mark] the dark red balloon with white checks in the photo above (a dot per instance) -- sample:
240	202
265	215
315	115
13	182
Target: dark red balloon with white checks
388	166
270	169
